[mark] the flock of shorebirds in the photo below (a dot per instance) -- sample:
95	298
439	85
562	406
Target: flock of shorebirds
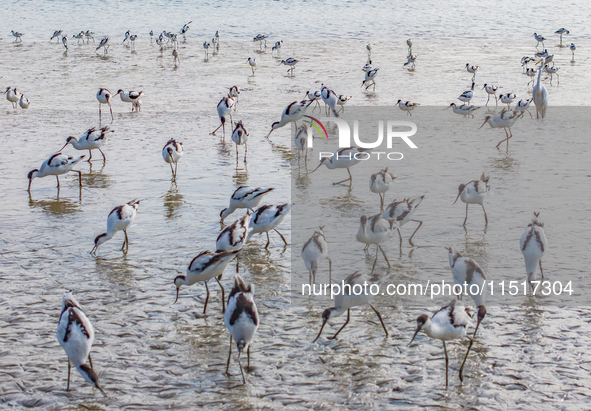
75	332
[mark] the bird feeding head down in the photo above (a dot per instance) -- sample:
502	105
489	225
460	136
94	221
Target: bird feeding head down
480	316
91	376
486	119
100	239
177	282
322	161
325	317
461	188
32	174
421	321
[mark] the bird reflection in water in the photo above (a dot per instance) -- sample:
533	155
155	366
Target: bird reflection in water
173	201
58	206
96	179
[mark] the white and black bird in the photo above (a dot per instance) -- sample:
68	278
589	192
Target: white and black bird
407	106
291	62
540	39
572	49
185	29
401	212
176	58
253	64
104	97
129	96
410	62
104	44
204	267
206	47
491	90
314	96
342	100
119	219
172	153
245	197
347	299
292	113
277	47
465	110
468	274
374	230
56	165
17	36
343	158
224	109
24	102
313	252
65	41
505	120
92	139
561	31
380	183
507	99
234	236
472	70
467	95
447	324
12	95
260	38
266	218
56	35
330	99
127	34
240	137
75	334
533	245
523	106
241	320
474	193
370	79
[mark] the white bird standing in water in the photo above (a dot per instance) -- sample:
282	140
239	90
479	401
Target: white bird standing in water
24	102
129	96
301	141
119	219
370	79
505	120
344	158
533	245
240	136
172	153
572	49
465	110
561	31
241	320
92	139
12	95
204	267
224	109
330	99
253	64
523	106
468	274
75	334
176	58
314	250
474	193
472	70
380	183
402	212
540	39
374	230
291	62
267	218
507	99
491	91
348	299
245	197
104	44
407	106
56	35
56	165
467	95
292	113
449	323
104	97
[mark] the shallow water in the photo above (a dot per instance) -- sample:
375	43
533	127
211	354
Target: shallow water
532	353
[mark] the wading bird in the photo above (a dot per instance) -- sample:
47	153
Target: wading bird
56	165
374	230
245	197
119	219
104	97
241	320
474	193
224	109
92	139
561	32
292	113
505	120
204	267
350	297
172	153
314	250
380	183
76	335
449	323
240	136
533	245
267	218
344	158
401	212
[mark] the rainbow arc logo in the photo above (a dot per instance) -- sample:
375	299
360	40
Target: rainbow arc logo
317	124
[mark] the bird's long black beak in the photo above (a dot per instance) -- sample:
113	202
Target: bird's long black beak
315	168
177	295
457	198
415	334
482	124
320	332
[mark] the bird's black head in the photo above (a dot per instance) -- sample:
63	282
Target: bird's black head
326	314
461	188
421	320
120	91
481	312
98	237
30	175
